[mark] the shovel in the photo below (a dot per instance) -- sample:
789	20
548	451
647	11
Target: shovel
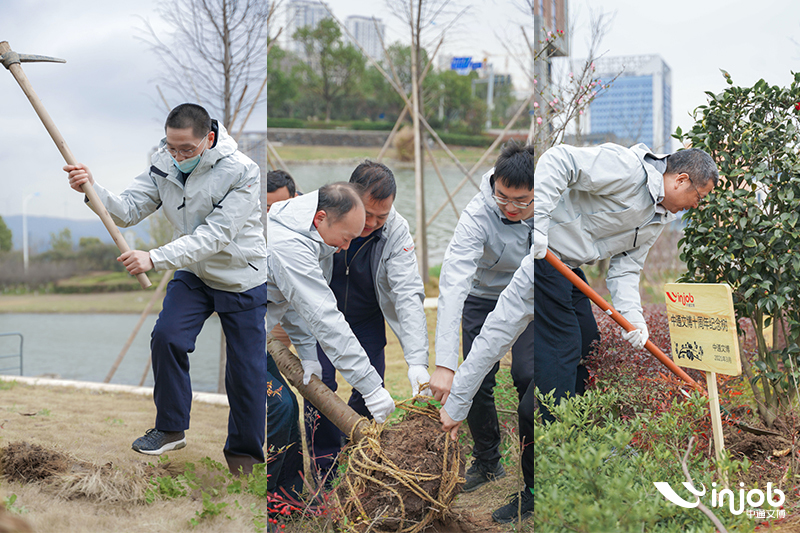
652	348
12	61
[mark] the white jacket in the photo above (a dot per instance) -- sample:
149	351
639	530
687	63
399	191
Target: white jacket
513	313
298	295
399	287
480	260
216	215
601	202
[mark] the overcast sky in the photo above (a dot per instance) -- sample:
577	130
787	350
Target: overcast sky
104	99
751	40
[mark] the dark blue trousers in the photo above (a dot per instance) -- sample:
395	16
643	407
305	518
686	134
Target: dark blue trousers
564	329
482	417
324	439
187	305
285	462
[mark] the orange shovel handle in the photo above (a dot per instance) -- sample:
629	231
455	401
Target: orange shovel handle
613	313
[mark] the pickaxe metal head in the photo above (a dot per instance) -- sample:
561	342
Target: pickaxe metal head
11	57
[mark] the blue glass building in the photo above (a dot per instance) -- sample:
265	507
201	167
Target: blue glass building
637	107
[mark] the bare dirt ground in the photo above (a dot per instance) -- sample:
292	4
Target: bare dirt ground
98	428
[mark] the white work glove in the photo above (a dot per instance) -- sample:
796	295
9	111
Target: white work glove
418	375
638	337
539	244
311	368
380	404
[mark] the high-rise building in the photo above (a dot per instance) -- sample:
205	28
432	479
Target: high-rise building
301	14
368	32
637	107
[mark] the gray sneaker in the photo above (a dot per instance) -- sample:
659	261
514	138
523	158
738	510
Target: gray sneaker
155	442
479	474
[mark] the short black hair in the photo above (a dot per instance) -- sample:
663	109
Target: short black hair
189	116
514	166
696	163
277	179
337	199
375	180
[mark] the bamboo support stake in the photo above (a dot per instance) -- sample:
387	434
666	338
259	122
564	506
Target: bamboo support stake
94	200
156	295
441	179
489	150
271	149
392	133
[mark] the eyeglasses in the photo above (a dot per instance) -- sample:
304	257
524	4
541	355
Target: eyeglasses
505	201
185	153
700	198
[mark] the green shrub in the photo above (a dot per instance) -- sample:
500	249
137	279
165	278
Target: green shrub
372	126
458	139
589	478
278	122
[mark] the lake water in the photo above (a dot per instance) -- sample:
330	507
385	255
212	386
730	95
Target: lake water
310	177
84	347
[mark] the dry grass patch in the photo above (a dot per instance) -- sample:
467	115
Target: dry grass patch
91	481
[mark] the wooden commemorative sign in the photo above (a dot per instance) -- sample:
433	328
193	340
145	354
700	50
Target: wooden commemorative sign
702	329
702	326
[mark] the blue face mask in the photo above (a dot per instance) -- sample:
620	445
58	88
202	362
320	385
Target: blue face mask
188	165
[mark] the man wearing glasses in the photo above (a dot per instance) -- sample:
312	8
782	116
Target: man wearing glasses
209	191
596	203
493	235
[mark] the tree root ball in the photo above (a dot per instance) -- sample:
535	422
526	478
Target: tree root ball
404	479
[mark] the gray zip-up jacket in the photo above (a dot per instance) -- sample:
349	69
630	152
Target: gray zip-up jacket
399	287
602	202
480	260
298	295
502	328
216	215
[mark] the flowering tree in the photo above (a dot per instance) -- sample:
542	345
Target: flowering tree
747	233
559	104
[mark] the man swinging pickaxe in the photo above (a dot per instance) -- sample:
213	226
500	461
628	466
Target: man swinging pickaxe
12	61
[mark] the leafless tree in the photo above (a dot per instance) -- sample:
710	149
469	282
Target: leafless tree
214	51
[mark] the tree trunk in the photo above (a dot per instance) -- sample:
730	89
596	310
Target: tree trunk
323	398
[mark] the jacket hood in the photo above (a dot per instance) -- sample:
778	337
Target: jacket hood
224	145
487	190
297	215
655	179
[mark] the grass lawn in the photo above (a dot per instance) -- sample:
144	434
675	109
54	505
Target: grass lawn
303	153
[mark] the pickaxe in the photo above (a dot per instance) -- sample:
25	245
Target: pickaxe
12	61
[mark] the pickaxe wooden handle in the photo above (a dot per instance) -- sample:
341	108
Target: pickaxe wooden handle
613	313
11	61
